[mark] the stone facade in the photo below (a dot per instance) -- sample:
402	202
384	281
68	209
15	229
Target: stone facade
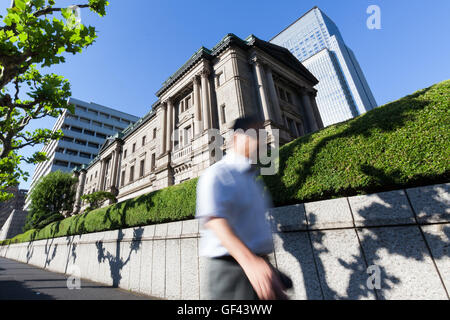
15	203
171	143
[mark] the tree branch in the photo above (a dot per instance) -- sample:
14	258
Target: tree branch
49	9
16	85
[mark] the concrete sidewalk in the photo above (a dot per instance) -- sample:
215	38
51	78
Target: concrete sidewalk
19	281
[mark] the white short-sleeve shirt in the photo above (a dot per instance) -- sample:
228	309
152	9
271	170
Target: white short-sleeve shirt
228	189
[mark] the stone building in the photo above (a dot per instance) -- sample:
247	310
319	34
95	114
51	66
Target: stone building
213	88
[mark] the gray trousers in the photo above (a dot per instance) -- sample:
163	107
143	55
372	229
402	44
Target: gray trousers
227	281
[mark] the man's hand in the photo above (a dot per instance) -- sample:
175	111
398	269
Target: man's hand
262	277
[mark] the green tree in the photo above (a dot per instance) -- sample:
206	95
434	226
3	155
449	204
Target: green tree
33	37
52	196
95	199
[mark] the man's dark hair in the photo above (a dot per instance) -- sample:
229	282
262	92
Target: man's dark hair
248	122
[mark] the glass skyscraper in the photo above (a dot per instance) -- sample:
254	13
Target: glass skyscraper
315	40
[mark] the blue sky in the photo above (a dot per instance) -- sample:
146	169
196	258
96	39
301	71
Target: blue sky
141	43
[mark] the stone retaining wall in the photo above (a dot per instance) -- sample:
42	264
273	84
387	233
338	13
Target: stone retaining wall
332	249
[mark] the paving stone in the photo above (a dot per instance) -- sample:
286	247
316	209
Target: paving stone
145	282
190	228
329	214
160	231
189	269
106	253
384	208
56	253
438	239
17	251
23	253
405	266
174	229
96	236
203	273
93	269
72	258
40	256
341	265
288	218
149	232
294	257
431	203
127	234
123	264
65	260
3	250
110	235
159	268
83	262
173	269
135	265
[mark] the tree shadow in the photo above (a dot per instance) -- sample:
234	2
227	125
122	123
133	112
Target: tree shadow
30	248
116	260
49	257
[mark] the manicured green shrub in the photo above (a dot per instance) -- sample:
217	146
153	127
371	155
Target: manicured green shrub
402	144
168	204
96	199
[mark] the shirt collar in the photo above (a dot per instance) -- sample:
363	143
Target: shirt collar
241	163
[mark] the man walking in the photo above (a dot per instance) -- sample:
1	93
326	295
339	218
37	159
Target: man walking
236	236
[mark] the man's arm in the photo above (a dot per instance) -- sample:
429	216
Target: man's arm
262	277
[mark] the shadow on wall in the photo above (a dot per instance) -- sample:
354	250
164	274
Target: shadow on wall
115	260
396	246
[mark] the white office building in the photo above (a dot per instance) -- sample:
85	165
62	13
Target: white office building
315	40
84	133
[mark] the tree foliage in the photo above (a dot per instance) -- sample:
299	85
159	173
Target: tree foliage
33	37
95	199
52	196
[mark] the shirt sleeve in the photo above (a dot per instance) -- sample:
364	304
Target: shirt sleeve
213	197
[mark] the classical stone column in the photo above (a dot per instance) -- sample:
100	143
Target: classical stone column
273	96
308	109
206	103
162	115
114	170
237	82
296	128
302	128
169	127
119	165
101	175
197	107
111	168
315	108
80	190
261	83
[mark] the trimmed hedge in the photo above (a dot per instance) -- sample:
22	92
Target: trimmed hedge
168	204
402	144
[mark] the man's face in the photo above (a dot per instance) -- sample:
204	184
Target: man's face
246	142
